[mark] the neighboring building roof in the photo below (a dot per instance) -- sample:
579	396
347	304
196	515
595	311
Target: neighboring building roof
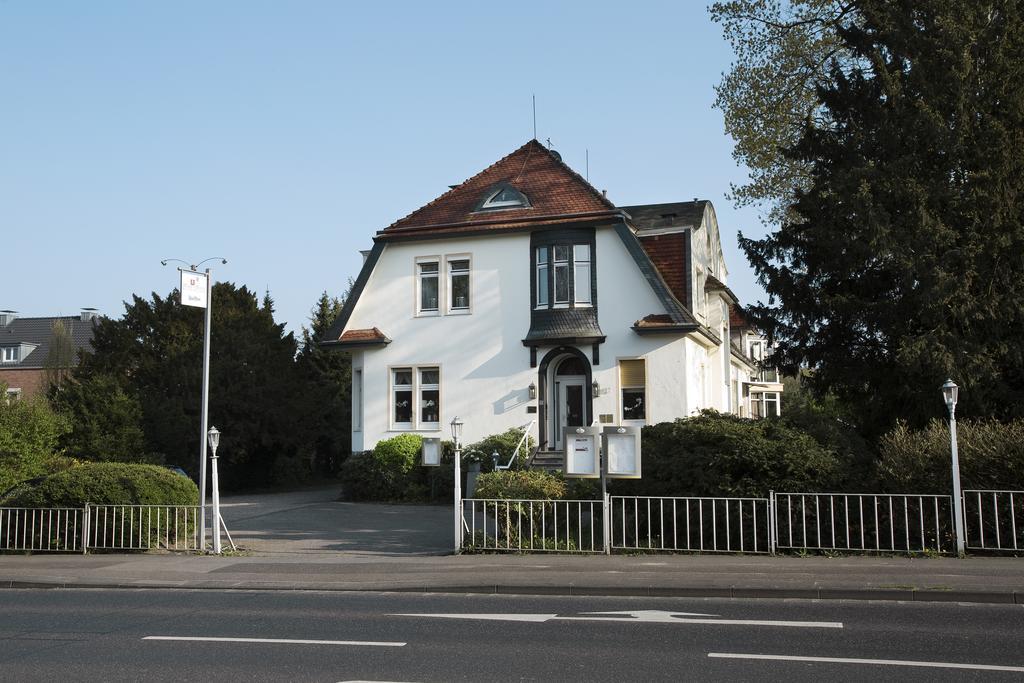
671	215
738	317
39	331
668	253
555	192
713	284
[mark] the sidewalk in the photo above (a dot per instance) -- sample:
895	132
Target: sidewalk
860	578
308	540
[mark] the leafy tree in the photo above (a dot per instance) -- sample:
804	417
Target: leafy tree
29	440
901	261
783	51
328	377
155	353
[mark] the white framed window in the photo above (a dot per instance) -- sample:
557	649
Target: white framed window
10	354
357	400
633	389
458	284
581	273
562	276
765	404
12	395
430	398
416	397
504	198
543	296
428	286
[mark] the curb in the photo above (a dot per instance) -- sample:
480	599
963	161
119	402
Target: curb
731	592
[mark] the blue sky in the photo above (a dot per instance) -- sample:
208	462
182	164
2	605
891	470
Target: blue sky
283	135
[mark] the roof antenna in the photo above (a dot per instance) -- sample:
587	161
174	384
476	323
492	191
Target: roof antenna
549	143
534	117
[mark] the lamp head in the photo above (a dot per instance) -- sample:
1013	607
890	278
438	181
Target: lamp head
213	437
456	428
949	393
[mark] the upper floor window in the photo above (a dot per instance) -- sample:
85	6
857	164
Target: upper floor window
563	276
10	354
504	197
458	284
429	285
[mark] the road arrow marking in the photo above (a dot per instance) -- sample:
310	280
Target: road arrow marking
637	617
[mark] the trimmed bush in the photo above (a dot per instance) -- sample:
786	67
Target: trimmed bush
387	472
521	484
109	483
919	461
714	454
504	443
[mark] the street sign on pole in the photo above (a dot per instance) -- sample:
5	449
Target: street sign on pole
194	291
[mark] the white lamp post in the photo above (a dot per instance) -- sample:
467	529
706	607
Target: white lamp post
949	394
195	297
214	438
456	435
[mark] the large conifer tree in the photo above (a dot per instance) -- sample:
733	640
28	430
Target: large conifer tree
902	261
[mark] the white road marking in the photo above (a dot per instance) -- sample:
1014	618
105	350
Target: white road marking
852	660
637	617
287	641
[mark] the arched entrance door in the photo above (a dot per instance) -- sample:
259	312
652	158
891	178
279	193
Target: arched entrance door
565	377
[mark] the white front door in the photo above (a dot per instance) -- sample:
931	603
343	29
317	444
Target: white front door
569	406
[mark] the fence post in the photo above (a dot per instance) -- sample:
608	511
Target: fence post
85	529
771	523
606	513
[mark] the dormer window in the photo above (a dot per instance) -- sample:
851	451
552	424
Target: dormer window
504	197
9	354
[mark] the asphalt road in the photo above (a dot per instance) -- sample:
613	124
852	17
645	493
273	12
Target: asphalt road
156	635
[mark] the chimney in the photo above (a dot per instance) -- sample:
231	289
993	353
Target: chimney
7	317
89	314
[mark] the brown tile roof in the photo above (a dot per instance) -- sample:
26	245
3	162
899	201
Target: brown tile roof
553	189
371	335
737	317
654	320
668	253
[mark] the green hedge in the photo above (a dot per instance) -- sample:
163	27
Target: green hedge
919	461
111	484
520	484
392	472
504	443
715	454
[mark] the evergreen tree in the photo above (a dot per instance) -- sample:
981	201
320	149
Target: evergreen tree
902	260
329	382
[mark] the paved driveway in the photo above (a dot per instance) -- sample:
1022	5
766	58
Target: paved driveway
314	522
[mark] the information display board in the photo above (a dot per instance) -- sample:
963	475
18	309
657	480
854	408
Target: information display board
431	452
622	452
193	289
582	452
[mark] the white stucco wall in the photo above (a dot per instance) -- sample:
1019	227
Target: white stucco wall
485	369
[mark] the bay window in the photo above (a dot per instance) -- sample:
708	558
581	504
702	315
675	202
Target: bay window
563	276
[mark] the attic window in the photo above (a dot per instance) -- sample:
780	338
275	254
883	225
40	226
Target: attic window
505	197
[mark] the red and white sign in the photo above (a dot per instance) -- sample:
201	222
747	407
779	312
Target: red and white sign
193	289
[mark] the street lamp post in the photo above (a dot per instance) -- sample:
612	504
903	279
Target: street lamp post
456	435
206	303
214	438
949	394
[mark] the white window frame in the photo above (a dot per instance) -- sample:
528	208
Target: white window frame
567	265
541	271
577	264
417	388
357	399
448	259
491	203
624	387
10	354
421	261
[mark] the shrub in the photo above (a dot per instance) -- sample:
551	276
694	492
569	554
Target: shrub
110	484
29	436
386	472
919	461
504	443
521	484
714	454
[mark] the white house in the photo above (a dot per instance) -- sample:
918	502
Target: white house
523	294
